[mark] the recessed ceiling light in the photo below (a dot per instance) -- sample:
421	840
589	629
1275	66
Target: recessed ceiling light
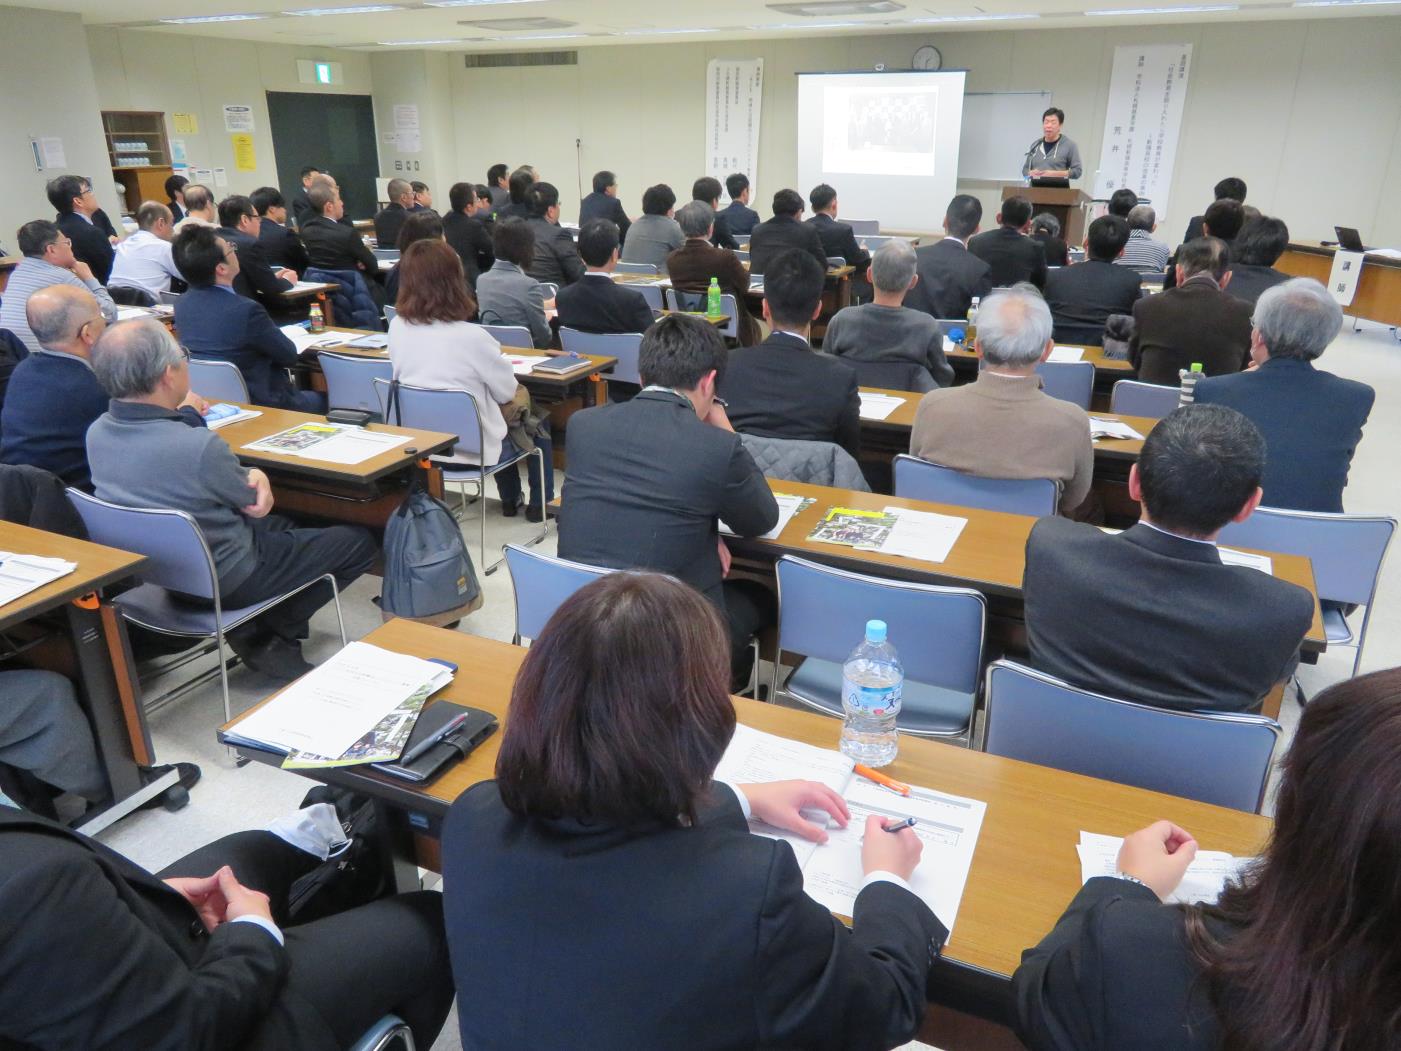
518	25
473	3
1343	3
677	32
201	19
547	36
312	12
416	43
815	25
827	8
970	18
1199	9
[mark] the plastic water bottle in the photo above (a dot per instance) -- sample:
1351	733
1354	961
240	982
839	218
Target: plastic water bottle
712	299
872	681
318	320
1189	383
971	333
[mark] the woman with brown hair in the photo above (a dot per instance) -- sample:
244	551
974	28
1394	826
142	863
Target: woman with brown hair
1303	953
605	892
432	344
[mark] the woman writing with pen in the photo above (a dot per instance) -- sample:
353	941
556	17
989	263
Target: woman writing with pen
604	891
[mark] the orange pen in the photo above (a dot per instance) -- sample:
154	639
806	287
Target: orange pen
881	779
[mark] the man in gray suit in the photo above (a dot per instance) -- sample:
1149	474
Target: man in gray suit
650	479
506	294
1152	614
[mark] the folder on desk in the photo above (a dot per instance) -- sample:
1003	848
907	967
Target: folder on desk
459	744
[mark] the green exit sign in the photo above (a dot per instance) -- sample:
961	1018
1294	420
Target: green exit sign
323	72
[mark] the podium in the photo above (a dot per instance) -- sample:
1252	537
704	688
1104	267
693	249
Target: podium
1068	205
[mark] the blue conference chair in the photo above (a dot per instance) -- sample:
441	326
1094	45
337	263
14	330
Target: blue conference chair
917	479
653	294
179	561
1215	757
1347	552
938	632
636	268
517	337
457	412
1135	398
350	381
625	346
218	381
1072	381
389	1032
541	584
693	301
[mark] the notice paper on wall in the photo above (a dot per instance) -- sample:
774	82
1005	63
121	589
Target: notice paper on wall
947	825
245	156
238	118
1206	875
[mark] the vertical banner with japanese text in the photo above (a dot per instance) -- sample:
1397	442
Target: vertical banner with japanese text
734	94
1147	93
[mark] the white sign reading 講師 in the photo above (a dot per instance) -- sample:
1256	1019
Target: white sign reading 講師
1147	93
734	93
1346	272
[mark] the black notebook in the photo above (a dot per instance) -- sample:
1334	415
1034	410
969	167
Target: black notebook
477	727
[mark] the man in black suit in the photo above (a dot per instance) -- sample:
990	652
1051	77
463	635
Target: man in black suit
240	226
281	246
467	234
596	303
838	239
950	277
739	217
784	231
650	479
1312	420
330	244
1198	321
1228	189
1082	297
78	212
603	203
707	190
782	388
522	179
1010	254
556	258
100	954
1257	248
390	219
496	185
1151	614
1224	221
301	202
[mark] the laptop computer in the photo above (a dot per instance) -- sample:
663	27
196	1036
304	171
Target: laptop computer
1056	183
1350	239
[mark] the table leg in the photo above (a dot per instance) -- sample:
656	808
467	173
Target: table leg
113	706
599	385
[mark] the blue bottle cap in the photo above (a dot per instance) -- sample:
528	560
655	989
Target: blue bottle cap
875	631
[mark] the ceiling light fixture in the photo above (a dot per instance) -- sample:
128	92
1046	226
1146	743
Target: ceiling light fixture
1343	3
473	3
416	43
969	18
815	25
1200	9
372	9
194	20
671	32
827	8
547	36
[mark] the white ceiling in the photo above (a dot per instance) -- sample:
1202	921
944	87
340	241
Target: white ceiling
603	22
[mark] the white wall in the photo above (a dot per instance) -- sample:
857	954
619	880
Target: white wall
1308	112
418	78
144	70
49	91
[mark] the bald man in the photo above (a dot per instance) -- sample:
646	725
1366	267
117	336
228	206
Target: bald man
53	395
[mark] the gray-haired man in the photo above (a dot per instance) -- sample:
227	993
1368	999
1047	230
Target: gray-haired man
886	330
142	455
1004	425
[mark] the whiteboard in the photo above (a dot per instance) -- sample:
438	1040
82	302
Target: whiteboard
997	129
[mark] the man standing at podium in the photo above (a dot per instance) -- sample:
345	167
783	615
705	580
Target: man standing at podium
1053	156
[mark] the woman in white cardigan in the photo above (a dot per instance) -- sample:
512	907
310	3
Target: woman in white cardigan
432	344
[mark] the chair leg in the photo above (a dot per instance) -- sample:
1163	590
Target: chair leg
336	599
539	455
239	760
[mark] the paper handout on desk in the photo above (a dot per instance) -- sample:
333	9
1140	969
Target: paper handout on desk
305	340
21	574
788	506
878	406
1103	428
524	364
948	825
358	707
891	531
1206	875
1066	354
127	313
331	442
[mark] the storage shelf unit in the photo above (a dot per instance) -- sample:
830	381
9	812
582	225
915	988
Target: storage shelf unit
139	153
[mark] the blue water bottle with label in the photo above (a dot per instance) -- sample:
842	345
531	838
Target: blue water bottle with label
872	681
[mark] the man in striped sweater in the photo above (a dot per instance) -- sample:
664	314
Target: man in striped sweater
48	260
1142	252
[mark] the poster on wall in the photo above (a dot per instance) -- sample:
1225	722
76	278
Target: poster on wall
734	94
1147	93
238	118
245	157
185	123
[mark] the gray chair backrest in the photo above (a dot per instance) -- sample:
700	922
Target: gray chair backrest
1134	398
635	268
541	584
653	294
218	381
450	411
917	479
835	260
515	336
626	347
168	298
350	380
389	313
1072	381
179	558
893	375
1215	757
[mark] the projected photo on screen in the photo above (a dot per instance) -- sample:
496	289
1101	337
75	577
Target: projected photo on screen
880	131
